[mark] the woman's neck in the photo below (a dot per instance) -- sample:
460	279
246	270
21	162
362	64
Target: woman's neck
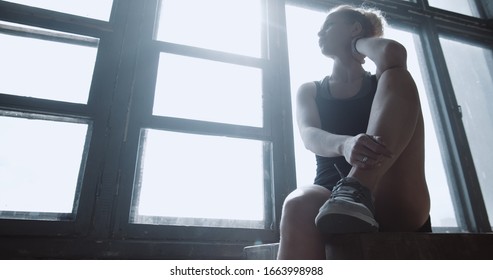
347	71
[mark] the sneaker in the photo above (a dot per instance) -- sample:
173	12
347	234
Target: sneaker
349	209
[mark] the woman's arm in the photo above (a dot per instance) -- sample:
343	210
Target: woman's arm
314	138
385	53
323	143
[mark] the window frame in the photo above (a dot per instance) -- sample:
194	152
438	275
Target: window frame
89	113
275	151
120	105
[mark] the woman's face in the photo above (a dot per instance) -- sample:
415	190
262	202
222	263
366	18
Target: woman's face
335	35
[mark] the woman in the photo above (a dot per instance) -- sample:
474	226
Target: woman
366	129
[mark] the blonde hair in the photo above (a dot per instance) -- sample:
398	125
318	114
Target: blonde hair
372	20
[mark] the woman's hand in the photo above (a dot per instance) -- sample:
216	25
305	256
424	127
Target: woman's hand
365	151
359	57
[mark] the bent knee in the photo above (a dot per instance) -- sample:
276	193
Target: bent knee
305	201
399	79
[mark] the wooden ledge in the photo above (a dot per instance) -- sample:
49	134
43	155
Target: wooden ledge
395	246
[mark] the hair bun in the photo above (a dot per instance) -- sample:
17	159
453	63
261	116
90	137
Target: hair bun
376	19
372	19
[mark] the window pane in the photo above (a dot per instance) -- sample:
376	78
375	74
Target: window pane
470	69
46	69
206	90
466	7
188	179
224	25
308	64
39	167
97	9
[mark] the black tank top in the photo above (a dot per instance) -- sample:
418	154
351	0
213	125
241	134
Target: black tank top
347	116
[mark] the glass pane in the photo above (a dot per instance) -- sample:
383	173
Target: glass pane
46	69
471	72
96	9
465	7
39	167
304	51
188	179
224	25
206	90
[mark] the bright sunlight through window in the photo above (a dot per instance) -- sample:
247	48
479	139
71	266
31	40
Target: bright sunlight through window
45	68
97	9
200	180
225	25
39	166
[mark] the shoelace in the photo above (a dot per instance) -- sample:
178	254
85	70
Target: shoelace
354	194
339	171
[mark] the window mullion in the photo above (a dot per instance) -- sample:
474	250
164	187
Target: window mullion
278	94
113	81
140	98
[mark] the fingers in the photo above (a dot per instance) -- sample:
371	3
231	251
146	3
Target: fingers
369	151
377	146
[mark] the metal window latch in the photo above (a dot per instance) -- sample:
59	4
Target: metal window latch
458	109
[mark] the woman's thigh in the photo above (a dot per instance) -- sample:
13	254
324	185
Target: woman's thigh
307	198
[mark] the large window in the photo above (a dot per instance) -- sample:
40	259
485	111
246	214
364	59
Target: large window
170	122
212	78
43	151
142	120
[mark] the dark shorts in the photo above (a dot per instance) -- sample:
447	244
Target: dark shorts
426	227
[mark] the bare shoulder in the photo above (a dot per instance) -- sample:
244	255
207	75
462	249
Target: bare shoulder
307	90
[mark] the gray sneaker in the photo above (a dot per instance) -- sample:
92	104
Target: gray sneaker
349	209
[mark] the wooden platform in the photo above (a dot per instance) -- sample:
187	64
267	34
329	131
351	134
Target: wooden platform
395	246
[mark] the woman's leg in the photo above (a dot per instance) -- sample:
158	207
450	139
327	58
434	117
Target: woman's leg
300	239
394	116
